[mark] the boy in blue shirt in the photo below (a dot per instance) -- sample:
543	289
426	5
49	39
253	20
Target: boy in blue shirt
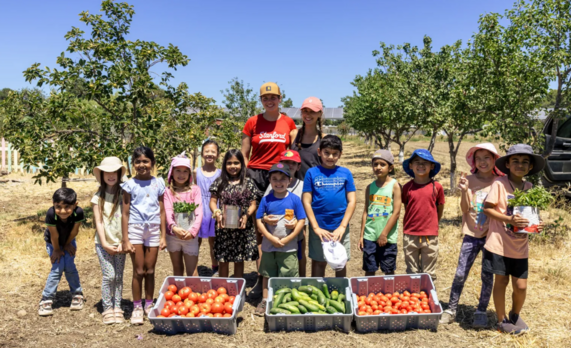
279	244
329	199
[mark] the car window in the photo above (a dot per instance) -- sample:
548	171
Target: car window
564	130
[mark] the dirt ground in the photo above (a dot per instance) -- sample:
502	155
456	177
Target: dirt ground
24	266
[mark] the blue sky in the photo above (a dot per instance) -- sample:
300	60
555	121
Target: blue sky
311	48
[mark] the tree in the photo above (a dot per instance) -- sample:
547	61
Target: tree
541	29
122	107
286	102
240	100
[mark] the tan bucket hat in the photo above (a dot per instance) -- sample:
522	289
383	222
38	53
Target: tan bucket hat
110	165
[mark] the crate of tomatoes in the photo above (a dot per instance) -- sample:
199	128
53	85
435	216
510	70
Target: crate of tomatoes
395	303
198	304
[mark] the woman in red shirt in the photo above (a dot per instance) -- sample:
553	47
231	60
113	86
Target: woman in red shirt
264	137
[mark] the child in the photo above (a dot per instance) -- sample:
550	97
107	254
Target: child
234	187
182	245
62	220
279	245
106	205
423	199
204	177
379	224
475	189
143	226
329	200
292	160
505	252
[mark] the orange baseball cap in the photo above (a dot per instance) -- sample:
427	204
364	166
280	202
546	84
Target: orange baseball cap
270	88
312	103
290	155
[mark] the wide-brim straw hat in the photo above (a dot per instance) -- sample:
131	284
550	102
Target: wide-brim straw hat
110	165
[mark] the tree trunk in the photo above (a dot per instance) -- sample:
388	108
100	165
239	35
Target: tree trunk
432	141
64	181
401	152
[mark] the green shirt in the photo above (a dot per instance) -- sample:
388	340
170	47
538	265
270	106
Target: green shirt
380	209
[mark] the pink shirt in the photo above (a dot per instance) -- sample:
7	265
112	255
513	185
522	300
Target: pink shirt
474	222
501	239
192	196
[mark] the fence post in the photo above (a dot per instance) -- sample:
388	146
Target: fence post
3	154
9	158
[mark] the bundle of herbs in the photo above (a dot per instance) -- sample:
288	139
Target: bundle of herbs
240	198
536	197
183	207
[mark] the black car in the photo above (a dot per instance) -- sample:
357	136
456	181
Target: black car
557	171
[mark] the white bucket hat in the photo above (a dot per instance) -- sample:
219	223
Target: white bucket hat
110	165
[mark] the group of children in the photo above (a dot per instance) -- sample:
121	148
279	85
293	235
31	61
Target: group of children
136	216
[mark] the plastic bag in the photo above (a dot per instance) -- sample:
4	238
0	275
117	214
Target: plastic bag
335	255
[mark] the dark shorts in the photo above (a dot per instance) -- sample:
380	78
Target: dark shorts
505	266
375	256
261	180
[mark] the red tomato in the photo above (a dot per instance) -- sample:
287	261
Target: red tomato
374	307
374	303
368	300
165	312
219	299
210	315
190	315
362	307
397	305
406	298
406	293
217	315
195	310
380	294
371	295
228	308
394	311
169	295
160	316
403	311
396	293
394	299
409	309
425	306
221	291
227	315
377	298
211	294
377	312
362	298
384	298
182	310
362	313
193	297
424	299
362	303
225	297
169	303
188	303
171	315
205	308
184	292
414	294
209	301
422	293
202	298
231	299
427	311
387	308
173	289
369	310
217	308
176	299
405	304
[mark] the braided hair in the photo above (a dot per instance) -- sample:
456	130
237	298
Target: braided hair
319	125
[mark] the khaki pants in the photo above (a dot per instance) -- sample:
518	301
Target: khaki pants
420	254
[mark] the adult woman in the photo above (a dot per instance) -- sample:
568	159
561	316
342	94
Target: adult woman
306	142
264	137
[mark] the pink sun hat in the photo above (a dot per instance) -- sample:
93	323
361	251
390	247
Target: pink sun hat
483	146
180	161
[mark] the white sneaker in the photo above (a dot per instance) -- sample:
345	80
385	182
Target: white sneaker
137	316
77	302
45	308
448	317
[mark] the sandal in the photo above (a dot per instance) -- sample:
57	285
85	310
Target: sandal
119	318
137	316
260	310
108	316
77	302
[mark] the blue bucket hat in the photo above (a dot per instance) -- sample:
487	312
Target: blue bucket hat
425	155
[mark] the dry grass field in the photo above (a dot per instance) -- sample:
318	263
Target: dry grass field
24	266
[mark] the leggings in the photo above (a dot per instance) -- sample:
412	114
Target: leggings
471	247
112	267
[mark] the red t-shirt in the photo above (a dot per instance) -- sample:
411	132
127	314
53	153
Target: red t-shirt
421	216
269	139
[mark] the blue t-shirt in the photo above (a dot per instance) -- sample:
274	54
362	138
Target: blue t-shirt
145	195
329	188
270	205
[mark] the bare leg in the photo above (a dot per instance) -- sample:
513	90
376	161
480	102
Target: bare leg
138	259
151	254
318	268
370	274
224	269
339	274
265	292
518	298
238	269
212	258
303	261
191	262
177	265
499	294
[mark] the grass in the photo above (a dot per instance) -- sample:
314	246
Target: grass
24	266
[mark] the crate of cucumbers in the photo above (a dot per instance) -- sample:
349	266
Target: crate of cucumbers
395	303
309	304
198	304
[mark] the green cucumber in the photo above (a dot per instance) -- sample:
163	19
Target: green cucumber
339	306
310	307
293	303
305	289
286	290
314	297
295	295
279	311
302	309
334	294
341	298
326	291
287	297
331	310
279	300
317	304
288	307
